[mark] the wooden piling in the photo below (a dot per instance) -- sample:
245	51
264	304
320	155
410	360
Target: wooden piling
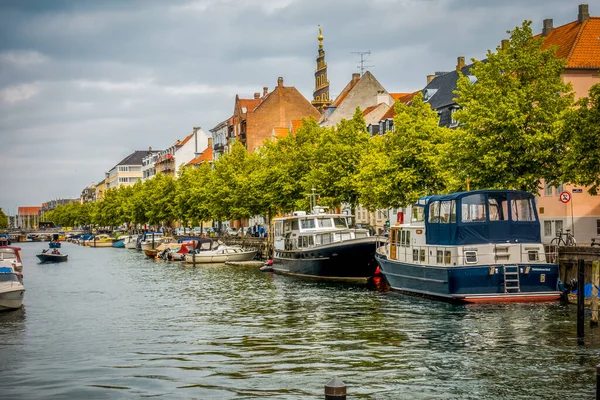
595	282
580	300
598	382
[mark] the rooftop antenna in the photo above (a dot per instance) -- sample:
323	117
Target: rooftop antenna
362	65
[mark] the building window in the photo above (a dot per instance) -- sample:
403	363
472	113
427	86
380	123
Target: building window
598	227
453	122
559	188
547	228
123	169
548	191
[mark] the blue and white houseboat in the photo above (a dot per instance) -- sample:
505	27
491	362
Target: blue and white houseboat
476	246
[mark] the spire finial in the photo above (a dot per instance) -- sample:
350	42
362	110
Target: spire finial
320	37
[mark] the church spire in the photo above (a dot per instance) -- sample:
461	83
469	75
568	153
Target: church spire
321	92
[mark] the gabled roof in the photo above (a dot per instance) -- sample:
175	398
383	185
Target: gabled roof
369	109
404	98
134	158
442	88
578	43
187	139
344	92
250	104
206	155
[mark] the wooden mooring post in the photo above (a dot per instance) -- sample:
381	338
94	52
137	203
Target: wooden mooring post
598	382
335	389
595	282
580	300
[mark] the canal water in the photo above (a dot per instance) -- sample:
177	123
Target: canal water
111	324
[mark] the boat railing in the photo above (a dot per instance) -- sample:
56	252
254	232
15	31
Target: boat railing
325	238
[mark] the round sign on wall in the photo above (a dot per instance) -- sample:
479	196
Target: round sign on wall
565	197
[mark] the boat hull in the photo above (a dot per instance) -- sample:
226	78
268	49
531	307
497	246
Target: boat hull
100	244
119	244
351	260
219	258
12	299
471	284
52	258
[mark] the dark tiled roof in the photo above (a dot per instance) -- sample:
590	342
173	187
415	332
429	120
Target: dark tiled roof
135	158
444	87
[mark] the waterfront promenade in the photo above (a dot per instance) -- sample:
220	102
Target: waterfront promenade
112	324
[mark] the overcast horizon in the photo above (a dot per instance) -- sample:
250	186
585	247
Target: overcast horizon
85	83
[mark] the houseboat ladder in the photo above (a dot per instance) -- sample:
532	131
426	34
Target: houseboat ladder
512	282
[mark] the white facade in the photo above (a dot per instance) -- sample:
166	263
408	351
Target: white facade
148	169
219	142
190	147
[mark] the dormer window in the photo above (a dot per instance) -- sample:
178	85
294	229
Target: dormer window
453	121
244	110
428	94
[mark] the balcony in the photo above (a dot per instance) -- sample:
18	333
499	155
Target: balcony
218	146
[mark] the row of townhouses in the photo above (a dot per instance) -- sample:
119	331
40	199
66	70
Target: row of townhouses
278	112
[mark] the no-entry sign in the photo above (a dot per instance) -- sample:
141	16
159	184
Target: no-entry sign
565	197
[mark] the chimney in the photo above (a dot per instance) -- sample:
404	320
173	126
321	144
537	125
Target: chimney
547	27
505	44
460	63
280	82
584	13
210	142
256	96
149	149
430	78
383	97
355	77
265	91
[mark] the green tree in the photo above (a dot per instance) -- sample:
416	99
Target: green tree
511	117
407	163
581	133
3	220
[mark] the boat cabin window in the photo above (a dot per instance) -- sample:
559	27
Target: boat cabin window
439	257
470	257
418	214
434	212
340	222
306	241
307	223
498	206
295	225
287	226
473	208
8	278
278	228
404	238
447	212
325	223
521	208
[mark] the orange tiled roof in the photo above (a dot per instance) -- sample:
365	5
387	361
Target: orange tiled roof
389	114
296	123
206	155
396	96
405	98
344	93
187	139
250	104
369	109
29	210
280	132
578	43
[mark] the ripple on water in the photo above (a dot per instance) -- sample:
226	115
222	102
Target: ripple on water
113	324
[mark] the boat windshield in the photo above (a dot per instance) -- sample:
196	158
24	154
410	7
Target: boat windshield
307	223
418	214
340	222
7	254
325	223
8	278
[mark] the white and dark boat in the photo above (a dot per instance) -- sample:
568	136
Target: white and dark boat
11	255
11	289
214	251
130	241
476	246
321	245
51	257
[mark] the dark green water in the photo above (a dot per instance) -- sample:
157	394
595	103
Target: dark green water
111	324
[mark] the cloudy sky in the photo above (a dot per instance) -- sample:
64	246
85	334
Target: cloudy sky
83	83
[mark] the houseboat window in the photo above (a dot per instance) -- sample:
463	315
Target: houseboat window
439	257
407	238
287	226
498	206
521	209
470	257
473	208
447	257
325	223
403	238
307	223
307	241
340	222
446	212
418	214
434	212
422	254
278	228
532	255
295	225
359	235
415	254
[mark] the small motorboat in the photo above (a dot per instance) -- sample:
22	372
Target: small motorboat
217	252
120	244
54	245
12	255
11	289
52	257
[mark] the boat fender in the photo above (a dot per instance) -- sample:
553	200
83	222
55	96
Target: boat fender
268	267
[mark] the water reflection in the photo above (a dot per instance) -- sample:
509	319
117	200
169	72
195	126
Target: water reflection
111	323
